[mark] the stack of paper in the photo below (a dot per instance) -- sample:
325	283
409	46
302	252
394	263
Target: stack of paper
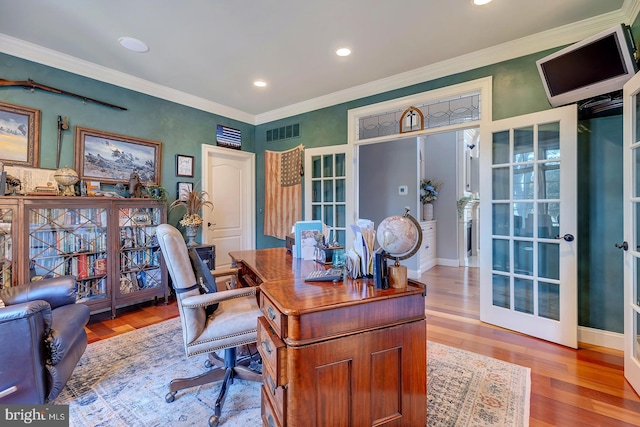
363	244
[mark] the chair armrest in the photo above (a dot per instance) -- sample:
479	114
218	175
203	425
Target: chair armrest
57	291
225	272
19	311
205	300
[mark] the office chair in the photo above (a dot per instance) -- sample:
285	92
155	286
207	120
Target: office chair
233	323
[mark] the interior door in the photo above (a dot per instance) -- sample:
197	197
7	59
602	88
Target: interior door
229	177
631	247
528	250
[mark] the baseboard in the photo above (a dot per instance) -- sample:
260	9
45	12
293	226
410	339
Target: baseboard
448	262
601	338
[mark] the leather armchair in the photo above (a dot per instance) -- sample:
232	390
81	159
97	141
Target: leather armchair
43	336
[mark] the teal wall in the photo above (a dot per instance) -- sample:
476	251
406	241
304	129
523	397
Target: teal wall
517	90
182	130
600	224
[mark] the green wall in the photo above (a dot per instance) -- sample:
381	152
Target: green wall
517	90
182	130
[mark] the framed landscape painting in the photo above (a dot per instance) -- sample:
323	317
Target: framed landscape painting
19	135
111	158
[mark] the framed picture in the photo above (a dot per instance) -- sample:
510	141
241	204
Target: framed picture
111	158
305	238
19	135
184	187
184	165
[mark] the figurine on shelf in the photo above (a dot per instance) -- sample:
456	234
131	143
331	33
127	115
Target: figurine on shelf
135	186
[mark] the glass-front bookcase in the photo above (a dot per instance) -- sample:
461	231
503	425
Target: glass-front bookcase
71	240
109	245
140	262
7	246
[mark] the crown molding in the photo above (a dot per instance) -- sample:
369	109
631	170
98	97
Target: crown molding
506	51
61	61
503	52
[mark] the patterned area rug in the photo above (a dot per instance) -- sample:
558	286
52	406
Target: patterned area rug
122	381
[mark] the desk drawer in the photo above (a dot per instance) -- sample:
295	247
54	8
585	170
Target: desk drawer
276	319
269	414
273	352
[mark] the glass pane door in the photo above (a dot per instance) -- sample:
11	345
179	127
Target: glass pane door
328	193
631	246
531	170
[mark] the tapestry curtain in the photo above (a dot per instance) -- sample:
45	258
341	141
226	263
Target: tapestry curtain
283	191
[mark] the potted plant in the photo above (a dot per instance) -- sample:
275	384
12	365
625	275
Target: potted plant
429	191
193	201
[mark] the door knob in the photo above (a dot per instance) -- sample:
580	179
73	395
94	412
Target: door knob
567	237
624	246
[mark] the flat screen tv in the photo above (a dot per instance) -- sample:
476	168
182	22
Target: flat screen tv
597	65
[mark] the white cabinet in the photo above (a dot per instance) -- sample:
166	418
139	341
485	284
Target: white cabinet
428	249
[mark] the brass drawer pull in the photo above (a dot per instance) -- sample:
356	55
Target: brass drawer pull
272	385
266	346
271	312
270	421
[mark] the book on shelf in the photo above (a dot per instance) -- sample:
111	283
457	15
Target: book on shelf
83	267
124	217
100	267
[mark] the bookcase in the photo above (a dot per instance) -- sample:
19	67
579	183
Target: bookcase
109	245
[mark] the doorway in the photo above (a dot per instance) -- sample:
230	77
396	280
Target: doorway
229	179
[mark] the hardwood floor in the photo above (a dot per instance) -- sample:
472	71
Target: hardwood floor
584	387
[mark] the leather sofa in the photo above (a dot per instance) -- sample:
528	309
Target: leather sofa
43	337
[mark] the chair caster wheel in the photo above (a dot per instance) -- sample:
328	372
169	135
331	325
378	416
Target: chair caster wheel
214	421
208	364
170	397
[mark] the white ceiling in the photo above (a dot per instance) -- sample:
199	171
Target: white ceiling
207	54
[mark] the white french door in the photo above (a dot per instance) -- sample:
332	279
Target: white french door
631	245
528	250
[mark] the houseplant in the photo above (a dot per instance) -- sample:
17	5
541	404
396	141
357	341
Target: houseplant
193	201
429	191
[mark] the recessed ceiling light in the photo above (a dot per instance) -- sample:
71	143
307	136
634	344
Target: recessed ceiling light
480	2
260	83
343	51
133	45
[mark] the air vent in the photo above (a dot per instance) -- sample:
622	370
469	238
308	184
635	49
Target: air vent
284	132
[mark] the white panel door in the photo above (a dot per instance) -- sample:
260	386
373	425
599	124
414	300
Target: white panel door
528	250
631	246
230	226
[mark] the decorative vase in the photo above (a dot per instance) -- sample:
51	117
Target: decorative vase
427	212
192	232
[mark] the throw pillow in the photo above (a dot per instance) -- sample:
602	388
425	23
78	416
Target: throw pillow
203	277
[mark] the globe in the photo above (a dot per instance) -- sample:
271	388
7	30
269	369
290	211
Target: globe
400	236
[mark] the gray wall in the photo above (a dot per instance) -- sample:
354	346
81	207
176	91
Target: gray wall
441	164
379	184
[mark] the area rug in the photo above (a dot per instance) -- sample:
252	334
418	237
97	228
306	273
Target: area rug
122	381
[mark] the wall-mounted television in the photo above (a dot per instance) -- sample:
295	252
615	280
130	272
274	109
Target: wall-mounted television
597	65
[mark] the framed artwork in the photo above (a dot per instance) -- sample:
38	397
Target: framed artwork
19	135
184	165
228	137
183	188
111	158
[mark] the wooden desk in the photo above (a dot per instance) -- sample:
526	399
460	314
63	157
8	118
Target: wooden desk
336	354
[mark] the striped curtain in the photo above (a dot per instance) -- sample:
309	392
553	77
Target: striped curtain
283	191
